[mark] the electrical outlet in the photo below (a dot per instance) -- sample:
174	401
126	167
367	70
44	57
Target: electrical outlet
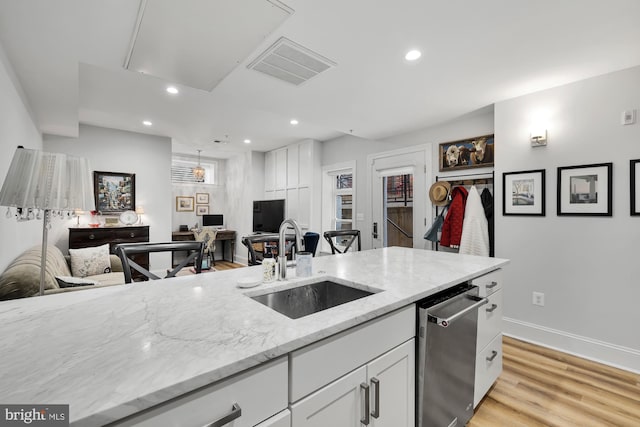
628	117
538	299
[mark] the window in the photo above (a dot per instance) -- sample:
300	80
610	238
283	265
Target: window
338	199
182	171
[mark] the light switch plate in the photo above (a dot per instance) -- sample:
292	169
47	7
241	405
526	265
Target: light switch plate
628	117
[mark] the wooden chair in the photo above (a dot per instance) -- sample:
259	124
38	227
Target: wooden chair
125	250
250	241
344	237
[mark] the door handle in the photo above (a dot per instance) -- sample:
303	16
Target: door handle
375	230
444	322
364	392
375	383
235	413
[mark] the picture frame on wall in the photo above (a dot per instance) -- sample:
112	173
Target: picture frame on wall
114	192
468	153
524	193
202	198
202	210
585	190
184	204
634	166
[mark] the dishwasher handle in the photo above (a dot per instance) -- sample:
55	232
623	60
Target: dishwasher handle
444	322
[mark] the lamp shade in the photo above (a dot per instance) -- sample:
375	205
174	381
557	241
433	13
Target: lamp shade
41	180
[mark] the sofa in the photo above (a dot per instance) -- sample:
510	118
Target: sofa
22	277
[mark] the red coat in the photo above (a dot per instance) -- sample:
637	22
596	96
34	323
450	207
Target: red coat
452	226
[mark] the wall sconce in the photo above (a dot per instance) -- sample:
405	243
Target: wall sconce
538	137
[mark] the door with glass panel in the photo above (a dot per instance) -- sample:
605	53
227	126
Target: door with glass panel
343	206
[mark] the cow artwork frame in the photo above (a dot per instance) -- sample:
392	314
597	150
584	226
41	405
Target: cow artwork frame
470	153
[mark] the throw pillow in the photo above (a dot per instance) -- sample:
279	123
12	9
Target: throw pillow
90	261
71	282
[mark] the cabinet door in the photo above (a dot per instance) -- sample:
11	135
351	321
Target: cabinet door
305	157
281	169
282	419
392	387
304	208
292	166
338	404
269	171
292	204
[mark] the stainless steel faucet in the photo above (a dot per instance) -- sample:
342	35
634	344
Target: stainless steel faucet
282	257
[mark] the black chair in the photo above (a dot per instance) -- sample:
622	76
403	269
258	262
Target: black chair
126	250
311	242
271	240
342	238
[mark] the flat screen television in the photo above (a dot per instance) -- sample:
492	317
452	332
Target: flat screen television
267	215
216	220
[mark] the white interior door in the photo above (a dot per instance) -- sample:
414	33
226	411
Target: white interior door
391	164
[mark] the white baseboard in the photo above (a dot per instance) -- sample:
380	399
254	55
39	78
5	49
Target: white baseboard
588	348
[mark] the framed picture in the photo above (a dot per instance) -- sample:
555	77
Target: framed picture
585	190
202	198
114	192
523	193
184	204
202	210
467	153
635	187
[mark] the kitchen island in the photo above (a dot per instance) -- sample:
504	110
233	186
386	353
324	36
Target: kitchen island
113	352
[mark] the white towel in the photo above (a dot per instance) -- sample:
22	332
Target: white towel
475	229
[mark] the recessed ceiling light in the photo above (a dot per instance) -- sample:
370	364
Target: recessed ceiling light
293	122
412	55
247	141
172	90
147	123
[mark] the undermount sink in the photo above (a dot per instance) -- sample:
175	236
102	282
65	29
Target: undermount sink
310	298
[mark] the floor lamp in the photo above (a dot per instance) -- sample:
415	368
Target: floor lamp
40	185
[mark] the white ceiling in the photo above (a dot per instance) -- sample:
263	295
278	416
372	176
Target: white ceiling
69	56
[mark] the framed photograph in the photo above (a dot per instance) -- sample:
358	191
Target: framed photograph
202	198
523	193
467	153
202	210
184	204
585	190
114	191
635	187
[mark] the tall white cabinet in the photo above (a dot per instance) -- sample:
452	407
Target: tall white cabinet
293	173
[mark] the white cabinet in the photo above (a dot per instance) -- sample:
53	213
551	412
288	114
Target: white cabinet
305	156
292	166
282	419
489	340
244	400
332	381
269	171
281	169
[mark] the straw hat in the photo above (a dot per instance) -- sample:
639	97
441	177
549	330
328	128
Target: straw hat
439	193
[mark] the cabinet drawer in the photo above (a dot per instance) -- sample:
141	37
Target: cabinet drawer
283	419
259	392
489	283
489	320
131	235
320	363
488	368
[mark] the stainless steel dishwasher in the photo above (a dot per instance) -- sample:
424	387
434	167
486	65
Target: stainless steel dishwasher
446	359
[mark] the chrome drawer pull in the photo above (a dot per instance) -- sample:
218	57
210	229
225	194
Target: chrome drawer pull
493	307
493	356
492	285
234	414
376	397
364	392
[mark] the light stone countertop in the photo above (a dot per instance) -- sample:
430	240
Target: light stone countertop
112	352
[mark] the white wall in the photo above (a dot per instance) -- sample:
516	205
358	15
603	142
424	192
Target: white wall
17	127
112	150
587	267
350	147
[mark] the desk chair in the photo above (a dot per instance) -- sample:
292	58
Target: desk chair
126	250
208	236
343	238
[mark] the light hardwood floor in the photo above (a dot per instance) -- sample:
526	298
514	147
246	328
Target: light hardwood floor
543	387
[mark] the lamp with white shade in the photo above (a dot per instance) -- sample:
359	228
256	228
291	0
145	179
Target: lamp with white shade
41	185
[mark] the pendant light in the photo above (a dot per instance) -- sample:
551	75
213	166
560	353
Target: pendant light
198	171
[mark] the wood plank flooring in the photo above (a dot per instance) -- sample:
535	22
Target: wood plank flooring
543	387
226	265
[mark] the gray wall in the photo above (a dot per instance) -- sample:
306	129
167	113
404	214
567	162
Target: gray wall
586	266
17	127
148	156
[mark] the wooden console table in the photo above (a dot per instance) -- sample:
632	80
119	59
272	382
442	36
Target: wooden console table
222	236
85	237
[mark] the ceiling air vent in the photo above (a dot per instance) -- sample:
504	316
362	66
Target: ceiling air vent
288	61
